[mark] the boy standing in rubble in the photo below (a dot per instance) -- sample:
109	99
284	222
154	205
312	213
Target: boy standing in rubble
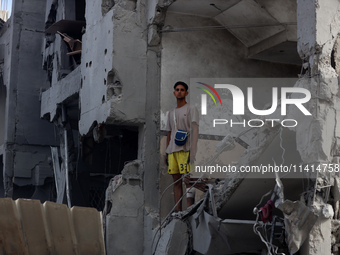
182	127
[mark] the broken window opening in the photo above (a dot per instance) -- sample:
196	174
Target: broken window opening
109	148
95	159
80	10
45	192
103	156
48	66
50	20
70	30
25	191
114	86
74	45
71	33
21	189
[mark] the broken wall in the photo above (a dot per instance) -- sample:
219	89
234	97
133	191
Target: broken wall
124	211
25	132
136	75
113	65
60	101
117	80
318	32
107	88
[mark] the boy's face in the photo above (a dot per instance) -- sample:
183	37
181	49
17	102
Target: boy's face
180	92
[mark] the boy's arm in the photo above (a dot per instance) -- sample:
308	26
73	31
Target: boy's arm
194	135
167	144
168	139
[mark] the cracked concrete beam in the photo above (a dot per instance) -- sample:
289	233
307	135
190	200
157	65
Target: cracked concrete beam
125	45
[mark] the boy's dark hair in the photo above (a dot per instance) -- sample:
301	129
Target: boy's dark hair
181	83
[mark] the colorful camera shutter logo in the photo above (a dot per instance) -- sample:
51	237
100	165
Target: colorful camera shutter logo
204	97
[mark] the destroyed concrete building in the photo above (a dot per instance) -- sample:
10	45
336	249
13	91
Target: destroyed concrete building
85	87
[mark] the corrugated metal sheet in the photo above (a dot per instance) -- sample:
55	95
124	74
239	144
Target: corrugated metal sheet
29	227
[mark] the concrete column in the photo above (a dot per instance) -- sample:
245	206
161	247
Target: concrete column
318	27
319	239
151	150
155	17
25	133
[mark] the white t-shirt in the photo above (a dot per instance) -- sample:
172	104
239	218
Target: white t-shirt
185	115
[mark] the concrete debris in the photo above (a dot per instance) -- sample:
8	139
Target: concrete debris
114	184
335	236
212	235
336	196
299	220
174	239
124	208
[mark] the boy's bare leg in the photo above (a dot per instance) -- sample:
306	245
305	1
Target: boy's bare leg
178	191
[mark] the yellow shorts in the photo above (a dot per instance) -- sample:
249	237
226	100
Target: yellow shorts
178	162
